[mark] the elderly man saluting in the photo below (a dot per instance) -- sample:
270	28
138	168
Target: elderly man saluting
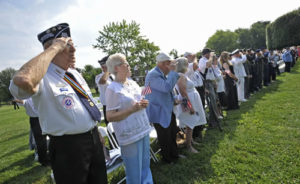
66	110
162	80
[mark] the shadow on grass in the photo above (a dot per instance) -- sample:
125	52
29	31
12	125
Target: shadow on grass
15	137
197	167
16	150
23	163
31	176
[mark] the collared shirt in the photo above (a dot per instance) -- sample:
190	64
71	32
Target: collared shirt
102	87
195	76
60	110
136	125
287	56
210	75
31	111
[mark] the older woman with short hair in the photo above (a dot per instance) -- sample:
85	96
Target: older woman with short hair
126	111
191	112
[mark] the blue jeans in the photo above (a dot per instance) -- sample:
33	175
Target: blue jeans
136	158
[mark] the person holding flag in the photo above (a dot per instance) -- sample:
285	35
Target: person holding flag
190	113
126	109
162	80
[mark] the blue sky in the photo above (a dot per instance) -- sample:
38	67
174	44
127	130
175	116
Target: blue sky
183	25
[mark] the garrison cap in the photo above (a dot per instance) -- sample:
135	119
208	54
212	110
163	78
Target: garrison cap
60	30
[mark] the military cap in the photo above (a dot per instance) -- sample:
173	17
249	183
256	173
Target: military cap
60	30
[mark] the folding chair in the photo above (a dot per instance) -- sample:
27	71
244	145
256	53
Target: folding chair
115	151
153	136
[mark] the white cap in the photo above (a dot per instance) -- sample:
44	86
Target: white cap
186	54
163	57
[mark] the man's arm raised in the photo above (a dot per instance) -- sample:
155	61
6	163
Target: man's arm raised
32	72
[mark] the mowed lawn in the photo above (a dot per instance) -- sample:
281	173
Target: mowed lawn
260	144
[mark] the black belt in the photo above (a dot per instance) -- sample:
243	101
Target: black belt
90	132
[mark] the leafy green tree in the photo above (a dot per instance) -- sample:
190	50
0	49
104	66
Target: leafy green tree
284	31
245	39
174	53
223	41
89	73
125	38
258	34
5	76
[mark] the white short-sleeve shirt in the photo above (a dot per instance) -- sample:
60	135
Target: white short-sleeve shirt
31	111
123	96
102	87
60	110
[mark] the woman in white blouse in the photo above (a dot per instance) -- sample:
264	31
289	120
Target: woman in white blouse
125	108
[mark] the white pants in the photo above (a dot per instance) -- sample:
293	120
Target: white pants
240	88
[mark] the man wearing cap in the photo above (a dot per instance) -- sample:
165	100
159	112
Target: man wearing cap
67	112
209	75
102	81
237	60
162	80
190	56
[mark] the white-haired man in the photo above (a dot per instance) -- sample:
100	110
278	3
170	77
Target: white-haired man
162	80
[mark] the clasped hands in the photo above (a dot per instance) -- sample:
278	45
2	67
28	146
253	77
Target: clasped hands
140	105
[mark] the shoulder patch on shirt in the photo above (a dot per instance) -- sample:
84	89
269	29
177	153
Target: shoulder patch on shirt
67	102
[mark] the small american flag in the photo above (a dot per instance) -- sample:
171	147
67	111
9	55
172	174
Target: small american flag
147	90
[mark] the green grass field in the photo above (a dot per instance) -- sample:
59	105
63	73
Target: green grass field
260	144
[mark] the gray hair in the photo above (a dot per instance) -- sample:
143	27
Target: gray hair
113	61
182	64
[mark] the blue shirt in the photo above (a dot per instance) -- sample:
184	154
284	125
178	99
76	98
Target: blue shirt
287	56
161	99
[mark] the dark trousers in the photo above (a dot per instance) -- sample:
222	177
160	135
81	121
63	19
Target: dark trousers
287	67
109	134
167	140
104	112
40	140
274	73
78	159
201	91
277	69
15	105
197	131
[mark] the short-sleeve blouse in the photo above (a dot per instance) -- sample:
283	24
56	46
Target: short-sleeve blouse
123	96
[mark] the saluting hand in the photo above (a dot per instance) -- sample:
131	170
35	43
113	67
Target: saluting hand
61	43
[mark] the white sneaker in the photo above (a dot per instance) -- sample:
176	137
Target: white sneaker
52	177
36	157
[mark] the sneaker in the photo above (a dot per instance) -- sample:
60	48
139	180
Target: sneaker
36	157
243	100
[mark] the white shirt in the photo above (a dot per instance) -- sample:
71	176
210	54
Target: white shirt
238	67
102	87
194	76
60	110
219	79
136	125
31	111
210	75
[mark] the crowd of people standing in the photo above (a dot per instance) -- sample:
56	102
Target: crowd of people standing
182	94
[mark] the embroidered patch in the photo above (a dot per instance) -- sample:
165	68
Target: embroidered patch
68	103
63	89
